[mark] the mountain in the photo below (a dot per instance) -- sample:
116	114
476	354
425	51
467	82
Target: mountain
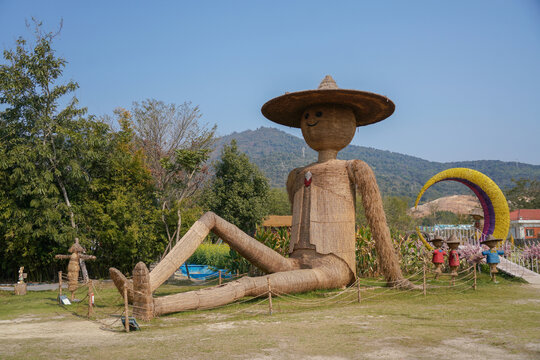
277	153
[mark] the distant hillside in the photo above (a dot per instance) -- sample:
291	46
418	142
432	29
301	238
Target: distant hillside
457	204
277	153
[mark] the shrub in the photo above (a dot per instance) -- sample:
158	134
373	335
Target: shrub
411	253
215	255
276	239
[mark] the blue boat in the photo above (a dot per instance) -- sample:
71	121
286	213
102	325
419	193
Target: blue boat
204	272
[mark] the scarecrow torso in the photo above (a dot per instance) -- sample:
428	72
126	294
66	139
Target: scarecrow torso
453	258
438	256
324	210
73	271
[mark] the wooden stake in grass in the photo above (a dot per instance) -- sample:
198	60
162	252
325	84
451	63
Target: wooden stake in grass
474	271
187	272
90	298
59	285
269	296
219	274
126	308
424	282
358	287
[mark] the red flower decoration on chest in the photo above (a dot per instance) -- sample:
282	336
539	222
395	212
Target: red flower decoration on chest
307	179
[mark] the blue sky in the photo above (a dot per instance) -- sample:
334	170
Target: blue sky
464	75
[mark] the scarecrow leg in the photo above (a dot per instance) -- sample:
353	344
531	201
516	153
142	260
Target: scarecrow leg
332	273
363	177
255	252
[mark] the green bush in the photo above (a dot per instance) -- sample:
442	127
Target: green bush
276	239
215	255
411	253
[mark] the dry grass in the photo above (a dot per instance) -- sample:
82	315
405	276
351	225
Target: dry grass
497	321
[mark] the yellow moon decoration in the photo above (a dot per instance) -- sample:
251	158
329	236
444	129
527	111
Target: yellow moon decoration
494	204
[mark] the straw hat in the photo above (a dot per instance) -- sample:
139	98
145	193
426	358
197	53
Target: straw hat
367	107
453	239
436	238
491	239
477	214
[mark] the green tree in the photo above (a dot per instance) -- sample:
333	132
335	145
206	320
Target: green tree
64	175
176	146
45	151
396	209
119	213
524	195
239	192
278	202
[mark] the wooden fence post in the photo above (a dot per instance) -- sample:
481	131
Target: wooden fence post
59	285
219	274
126	308
269	296
358	287
187	271
424	280
90	298
474	282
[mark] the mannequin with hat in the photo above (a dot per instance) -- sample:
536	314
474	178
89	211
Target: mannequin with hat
322	195
492	255
438	255
453	256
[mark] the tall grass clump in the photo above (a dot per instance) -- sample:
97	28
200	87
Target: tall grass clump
215	255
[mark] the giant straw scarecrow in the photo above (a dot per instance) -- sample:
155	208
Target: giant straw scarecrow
322	194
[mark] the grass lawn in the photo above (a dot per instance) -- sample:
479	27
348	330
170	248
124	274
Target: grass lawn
497	321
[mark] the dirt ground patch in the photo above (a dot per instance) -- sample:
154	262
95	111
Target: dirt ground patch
500	322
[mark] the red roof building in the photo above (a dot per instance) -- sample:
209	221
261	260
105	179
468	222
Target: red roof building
525	224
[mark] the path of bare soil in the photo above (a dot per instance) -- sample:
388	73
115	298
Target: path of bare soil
396	329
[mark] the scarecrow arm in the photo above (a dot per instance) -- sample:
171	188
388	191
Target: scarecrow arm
363	177
87	257
63	257
290	184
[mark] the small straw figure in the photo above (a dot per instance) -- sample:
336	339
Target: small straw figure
478	218
77	253
453	257
21	275
492	255
438	255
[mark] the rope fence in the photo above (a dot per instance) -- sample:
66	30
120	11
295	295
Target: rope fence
108	310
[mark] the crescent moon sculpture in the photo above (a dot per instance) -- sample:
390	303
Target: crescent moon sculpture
494	204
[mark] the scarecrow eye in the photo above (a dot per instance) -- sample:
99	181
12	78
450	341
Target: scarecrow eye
318	114
306	116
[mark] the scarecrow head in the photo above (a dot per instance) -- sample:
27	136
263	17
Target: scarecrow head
329	115
453	242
